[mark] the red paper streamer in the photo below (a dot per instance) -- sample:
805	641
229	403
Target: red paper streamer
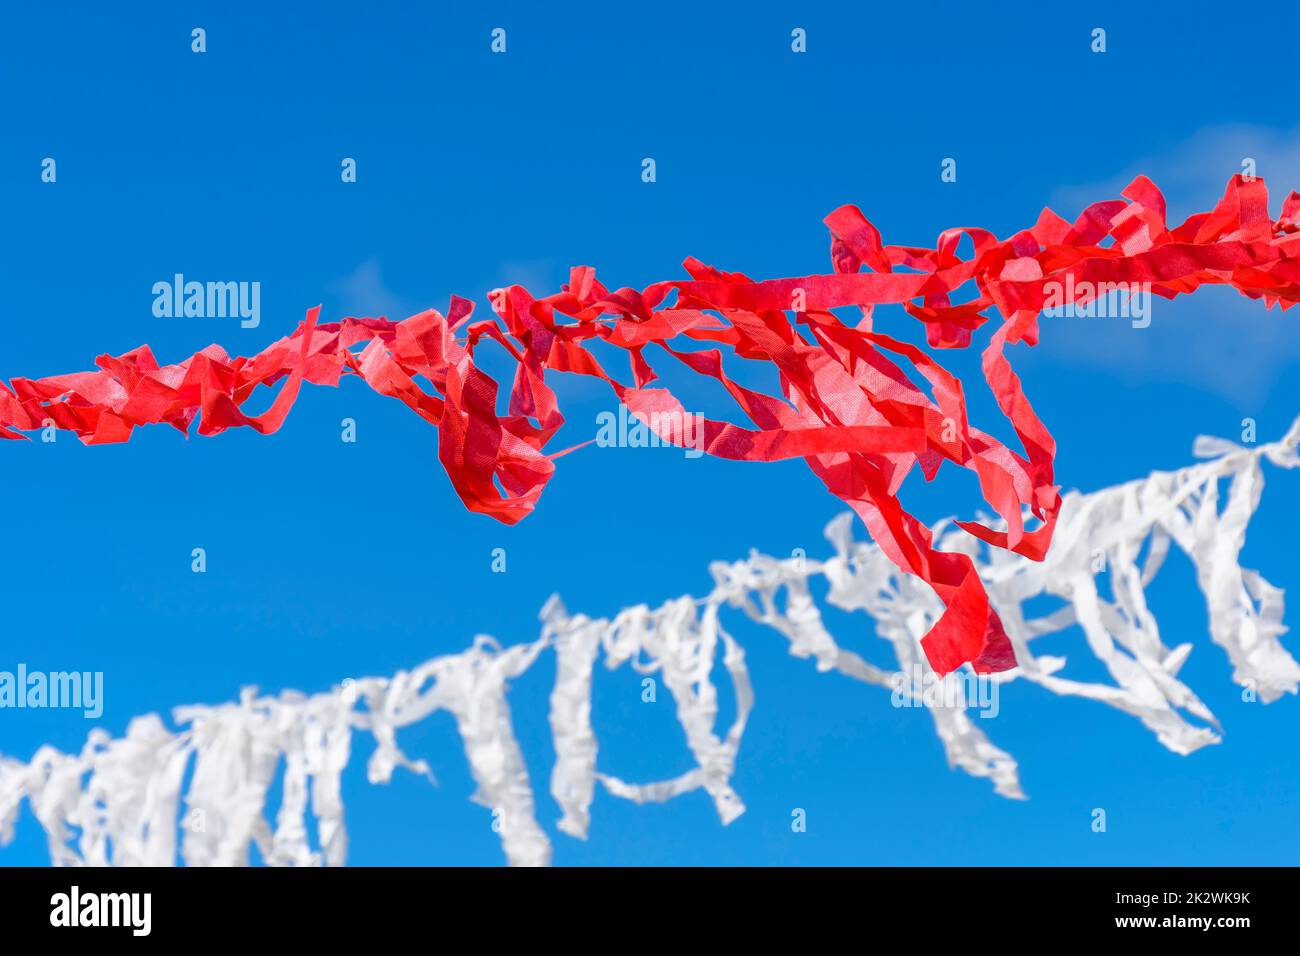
846	407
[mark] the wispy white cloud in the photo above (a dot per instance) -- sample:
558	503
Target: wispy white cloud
363	293
535	275
1216	339
1193	173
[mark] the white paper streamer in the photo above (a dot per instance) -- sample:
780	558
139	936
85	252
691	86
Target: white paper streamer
119	801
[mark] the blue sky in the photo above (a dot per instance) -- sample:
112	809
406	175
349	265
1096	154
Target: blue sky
329	560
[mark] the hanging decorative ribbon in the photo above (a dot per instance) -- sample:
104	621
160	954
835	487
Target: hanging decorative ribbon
846	405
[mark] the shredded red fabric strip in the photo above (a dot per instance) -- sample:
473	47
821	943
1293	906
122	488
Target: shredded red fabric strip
846	405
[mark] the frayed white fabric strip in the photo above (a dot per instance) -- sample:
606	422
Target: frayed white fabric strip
119	801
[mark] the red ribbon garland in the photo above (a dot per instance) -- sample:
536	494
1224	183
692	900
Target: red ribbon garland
845	407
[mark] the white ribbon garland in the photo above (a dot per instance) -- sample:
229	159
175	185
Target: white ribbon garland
120	800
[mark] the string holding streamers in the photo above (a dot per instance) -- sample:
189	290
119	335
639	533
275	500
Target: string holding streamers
846	406
120	802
